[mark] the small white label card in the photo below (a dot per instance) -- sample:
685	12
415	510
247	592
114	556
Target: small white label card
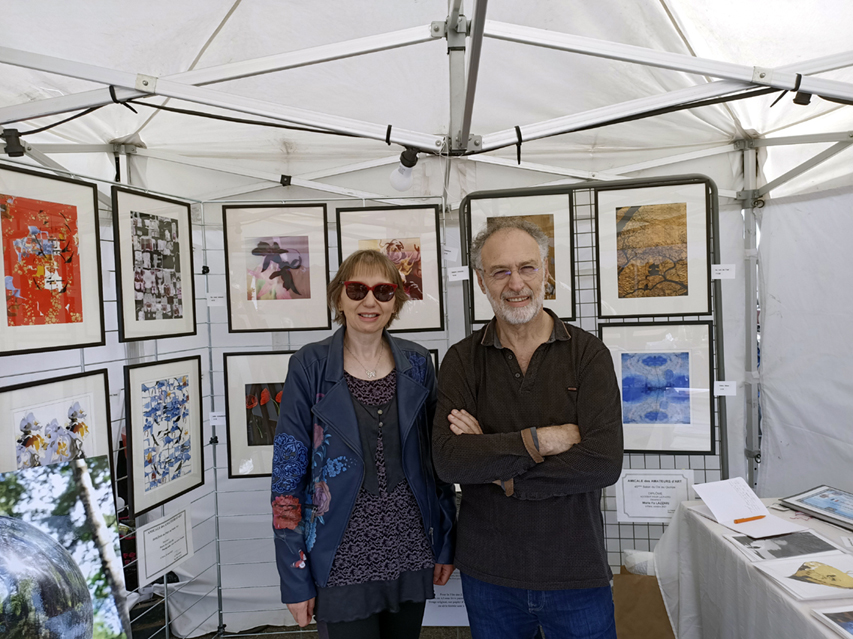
217	419
722	271
451	253
215	300
448	607
457	273
651	496
162	545
728	389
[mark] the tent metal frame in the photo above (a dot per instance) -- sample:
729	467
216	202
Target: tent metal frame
459	32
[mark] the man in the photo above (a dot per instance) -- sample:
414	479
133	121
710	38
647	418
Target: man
529	422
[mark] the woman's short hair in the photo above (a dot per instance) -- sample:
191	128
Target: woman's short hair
365	261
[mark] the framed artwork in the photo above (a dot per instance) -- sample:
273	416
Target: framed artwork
824	502
154	266
665	374
277	267
552	214
253	388
58	547
653	250
840	619
50	262
409	236
163	416
54	421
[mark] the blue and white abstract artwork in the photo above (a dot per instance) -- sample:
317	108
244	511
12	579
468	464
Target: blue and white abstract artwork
656	388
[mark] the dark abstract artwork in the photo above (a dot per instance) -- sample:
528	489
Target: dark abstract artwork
278	268
60	575
651	249
41	262
656	388
166	431
263	402
156	267
405	253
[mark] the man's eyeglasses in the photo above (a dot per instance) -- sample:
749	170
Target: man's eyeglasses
383	292
526	272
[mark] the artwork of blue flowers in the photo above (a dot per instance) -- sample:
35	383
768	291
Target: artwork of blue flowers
166	431
656	388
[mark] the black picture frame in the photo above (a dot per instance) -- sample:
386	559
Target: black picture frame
695	195
139	502
696	335
181	213
38	187
427	316
274	220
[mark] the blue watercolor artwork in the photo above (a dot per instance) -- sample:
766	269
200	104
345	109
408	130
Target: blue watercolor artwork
656	388
166	431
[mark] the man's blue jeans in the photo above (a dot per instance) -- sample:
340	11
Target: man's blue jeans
499	612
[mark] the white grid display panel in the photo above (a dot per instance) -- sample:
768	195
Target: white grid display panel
631	536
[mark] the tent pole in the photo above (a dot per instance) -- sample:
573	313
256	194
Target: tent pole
750	244
457	33
779	78
820	158
477	29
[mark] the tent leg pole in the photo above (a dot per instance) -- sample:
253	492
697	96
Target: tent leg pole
750	243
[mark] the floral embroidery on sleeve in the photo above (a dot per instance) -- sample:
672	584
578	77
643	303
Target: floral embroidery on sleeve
418	370
290	461
320	495
286	512
300	563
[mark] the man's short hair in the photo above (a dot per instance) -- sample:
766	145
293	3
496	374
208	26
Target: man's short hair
496	224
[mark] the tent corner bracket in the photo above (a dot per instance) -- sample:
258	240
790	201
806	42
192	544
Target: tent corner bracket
146	83
437	29
762	75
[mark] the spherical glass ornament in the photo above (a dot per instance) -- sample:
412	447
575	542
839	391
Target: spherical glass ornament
43	594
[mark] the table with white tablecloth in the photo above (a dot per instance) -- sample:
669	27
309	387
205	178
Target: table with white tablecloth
712	590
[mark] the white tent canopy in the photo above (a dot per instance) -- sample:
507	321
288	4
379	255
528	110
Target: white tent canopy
589	87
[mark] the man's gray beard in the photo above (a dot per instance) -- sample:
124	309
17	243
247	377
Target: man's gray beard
516	316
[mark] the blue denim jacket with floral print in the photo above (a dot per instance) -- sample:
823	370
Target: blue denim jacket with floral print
318	465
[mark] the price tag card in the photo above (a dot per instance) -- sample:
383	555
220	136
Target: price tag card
722	271
725	389
457	273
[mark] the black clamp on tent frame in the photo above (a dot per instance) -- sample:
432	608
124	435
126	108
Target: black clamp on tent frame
518	144
388	135
14	148
799	98
117	101
285	180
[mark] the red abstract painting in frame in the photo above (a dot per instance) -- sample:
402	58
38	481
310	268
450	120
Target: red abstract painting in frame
41	262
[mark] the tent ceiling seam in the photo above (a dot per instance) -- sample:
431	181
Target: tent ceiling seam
198	57
671	15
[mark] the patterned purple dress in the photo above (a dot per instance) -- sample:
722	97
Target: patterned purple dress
384	558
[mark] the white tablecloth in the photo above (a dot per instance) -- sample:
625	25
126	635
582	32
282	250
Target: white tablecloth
711	589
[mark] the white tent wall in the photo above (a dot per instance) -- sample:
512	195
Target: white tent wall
806	343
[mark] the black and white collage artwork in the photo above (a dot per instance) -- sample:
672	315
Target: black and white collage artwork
157	267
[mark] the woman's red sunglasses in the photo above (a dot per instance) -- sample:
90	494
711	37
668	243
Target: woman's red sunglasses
383	292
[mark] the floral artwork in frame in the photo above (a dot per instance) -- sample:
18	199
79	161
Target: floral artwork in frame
49	263
55	421
276	267
254	387
154	266
164	447
409	237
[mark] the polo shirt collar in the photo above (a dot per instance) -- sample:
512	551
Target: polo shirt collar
558	333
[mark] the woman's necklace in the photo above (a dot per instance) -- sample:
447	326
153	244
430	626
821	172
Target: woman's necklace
370	373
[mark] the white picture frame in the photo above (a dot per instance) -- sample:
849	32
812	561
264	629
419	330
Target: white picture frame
257	296
247	375
163	405
416	229
554	215
670	278
665	380
154	266
824	502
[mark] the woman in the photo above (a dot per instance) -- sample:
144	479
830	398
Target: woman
363	528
